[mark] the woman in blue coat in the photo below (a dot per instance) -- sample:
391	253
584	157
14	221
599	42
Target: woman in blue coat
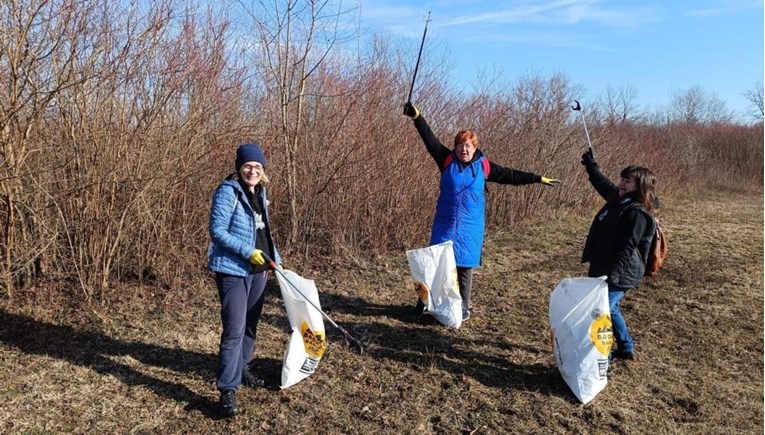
240	234
461	207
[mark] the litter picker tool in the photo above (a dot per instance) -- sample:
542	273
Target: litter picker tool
578	108
417	65
275	268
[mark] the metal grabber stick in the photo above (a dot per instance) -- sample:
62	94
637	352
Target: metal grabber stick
417	65
272	265
578	108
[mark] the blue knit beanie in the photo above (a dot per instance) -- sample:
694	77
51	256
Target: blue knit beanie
250	152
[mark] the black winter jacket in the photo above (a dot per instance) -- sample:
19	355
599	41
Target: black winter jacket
620	235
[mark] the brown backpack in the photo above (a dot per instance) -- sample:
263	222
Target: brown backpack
658	252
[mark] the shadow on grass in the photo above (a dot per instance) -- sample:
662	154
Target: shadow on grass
429	344
359	307
97	351
421	342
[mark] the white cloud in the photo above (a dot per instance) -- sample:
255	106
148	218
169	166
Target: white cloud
562	13
720	7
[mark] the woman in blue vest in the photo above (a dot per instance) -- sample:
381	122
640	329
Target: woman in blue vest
461	207
240	234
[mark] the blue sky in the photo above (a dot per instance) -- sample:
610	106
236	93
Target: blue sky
655	47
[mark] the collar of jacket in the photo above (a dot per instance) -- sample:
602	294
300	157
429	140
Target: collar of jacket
478	154
615	199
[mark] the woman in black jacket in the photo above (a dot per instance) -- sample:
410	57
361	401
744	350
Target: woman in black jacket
620	238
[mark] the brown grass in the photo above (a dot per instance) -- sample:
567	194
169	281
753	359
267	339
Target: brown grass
145	363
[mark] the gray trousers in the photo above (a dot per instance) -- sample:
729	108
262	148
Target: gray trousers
465	281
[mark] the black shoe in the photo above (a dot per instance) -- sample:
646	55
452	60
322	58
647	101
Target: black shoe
620	354
251	380
419	308
228	406
465	315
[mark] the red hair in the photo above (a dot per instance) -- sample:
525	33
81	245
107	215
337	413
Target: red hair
464	136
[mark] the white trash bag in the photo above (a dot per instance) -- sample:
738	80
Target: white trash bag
308	340
434	273
580	321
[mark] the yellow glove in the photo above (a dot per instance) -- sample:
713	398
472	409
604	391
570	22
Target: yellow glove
257	257
550	181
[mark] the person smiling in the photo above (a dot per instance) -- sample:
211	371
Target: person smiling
240	236
461	206
620	238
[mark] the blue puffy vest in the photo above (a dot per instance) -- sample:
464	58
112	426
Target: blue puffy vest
461	209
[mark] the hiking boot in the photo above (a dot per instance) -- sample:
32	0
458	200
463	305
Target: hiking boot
621	354
228	406
251	380
465	315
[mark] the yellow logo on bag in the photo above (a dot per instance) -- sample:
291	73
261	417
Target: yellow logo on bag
422	291
315	343
602	334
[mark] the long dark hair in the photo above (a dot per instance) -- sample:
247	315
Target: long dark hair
645	181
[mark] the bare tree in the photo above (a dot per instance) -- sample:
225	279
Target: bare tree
755	96
620	105
294	38
695	106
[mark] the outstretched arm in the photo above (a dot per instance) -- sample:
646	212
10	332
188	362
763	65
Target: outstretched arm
502	175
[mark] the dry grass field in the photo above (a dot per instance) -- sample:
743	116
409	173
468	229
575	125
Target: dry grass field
144	362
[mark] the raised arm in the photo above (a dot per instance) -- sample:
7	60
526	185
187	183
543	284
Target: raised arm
605	187
435	148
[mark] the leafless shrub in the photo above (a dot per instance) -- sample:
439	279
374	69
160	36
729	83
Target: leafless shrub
117	123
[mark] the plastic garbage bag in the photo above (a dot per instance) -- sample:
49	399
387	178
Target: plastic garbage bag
434	273
580	321
308	340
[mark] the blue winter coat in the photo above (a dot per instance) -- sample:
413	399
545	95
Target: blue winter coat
232	229
461	211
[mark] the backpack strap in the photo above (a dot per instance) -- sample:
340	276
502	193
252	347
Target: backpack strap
447	161
485	165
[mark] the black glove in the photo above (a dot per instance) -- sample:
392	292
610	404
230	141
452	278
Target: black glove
588	159
411	110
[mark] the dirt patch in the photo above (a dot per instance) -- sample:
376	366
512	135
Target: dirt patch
146	363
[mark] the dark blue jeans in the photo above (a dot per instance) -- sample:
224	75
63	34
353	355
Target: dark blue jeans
241	302
622	336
